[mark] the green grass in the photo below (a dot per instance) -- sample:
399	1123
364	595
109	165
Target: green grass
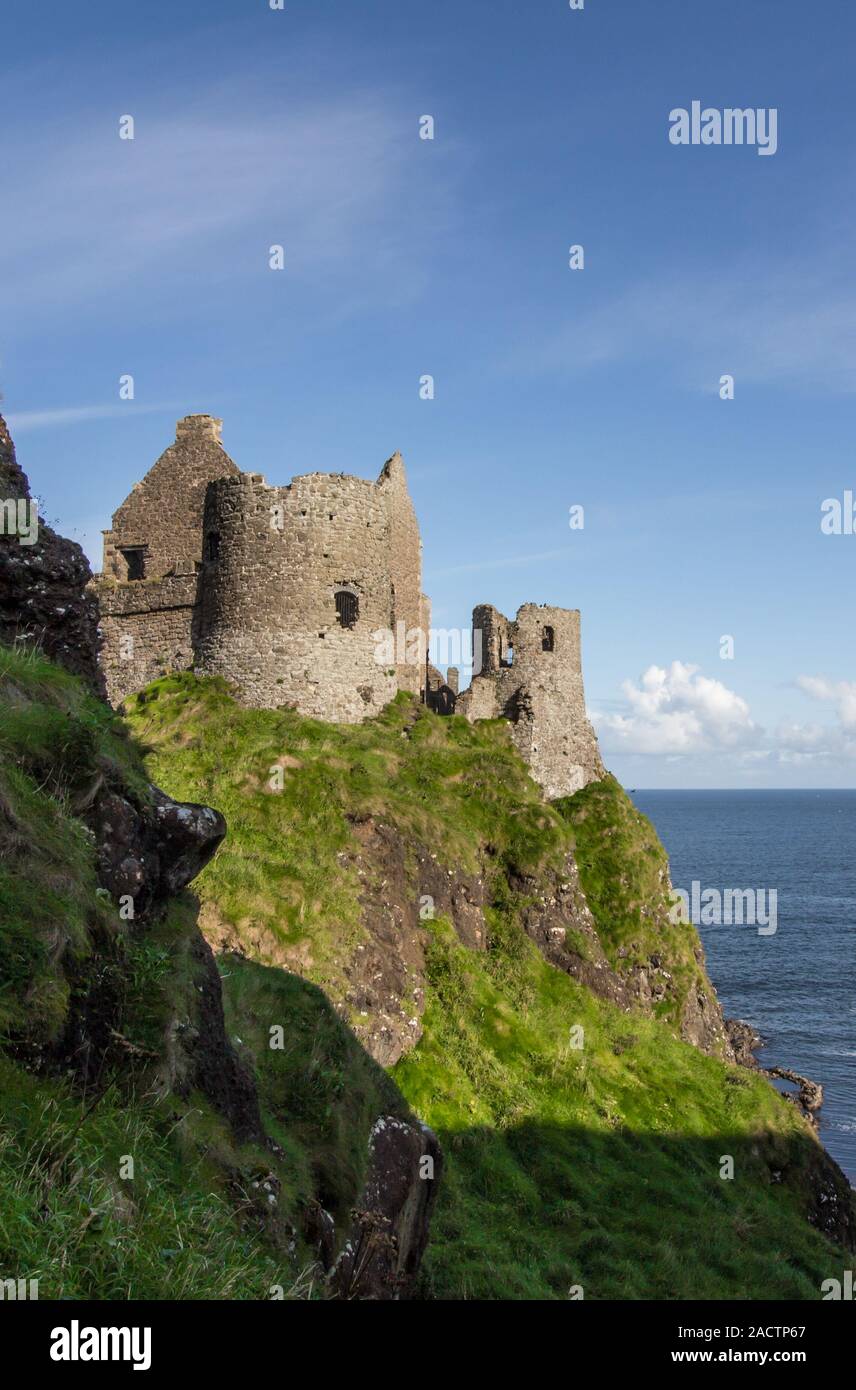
595	1166
598	1165
69	1218
196	1220
624	872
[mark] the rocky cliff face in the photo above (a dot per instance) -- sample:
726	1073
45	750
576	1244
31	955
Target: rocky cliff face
43	594
95	808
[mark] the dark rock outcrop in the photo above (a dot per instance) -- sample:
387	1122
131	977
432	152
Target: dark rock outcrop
809	1094
43	596
382	1255
745	1041
150	854
831	1201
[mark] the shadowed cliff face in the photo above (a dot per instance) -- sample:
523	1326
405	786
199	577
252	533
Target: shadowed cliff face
43	583
106	978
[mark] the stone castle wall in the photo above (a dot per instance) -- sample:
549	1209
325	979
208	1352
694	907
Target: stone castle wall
269	621
149	625
241	579
163	514
532	675
147	629
289	592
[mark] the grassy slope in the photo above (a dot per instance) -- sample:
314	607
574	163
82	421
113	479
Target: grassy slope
279	879
596	1166
194	1221
624	871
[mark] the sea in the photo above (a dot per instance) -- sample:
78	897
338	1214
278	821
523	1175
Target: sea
796	985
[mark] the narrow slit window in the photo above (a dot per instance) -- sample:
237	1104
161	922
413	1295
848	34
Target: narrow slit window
347	608
548	640
212	546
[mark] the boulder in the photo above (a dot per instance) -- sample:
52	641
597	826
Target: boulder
382	1255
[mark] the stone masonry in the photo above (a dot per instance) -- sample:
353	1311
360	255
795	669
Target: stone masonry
531	674
288	591
282	590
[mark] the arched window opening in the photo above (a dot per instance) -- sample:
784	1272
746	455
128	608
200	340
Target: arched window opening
548	640
347	607
212	546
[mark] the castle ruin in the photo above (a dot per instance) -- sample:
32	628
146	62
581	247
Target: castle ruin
287	592
531	674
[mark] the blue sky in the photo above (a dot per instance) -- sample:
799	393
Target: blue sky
449	257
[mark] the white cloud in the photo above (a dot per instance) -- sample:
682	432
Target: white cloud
802	743
840	693
678	711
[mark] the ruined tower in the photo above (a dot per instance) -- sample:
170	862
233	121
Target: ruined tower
531	674
299	585
286	591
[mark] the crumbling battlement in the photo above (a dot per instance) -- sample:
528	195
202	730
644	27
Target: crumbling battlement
531	674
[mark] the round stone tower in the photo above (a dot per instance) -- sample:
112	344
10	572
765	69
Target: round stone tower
302	587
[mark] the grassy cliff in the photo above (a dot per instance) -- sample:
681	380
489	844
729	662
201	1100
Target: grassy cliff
119	1176
584	1139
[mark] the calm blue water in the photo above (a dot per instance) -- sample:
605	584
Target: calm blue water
798	987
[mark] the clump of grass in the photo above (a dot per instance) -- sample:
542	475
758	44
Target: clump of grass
62	734
72	1218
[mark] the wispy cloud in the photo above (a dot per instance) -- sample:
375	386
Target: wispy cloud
215	175
25	421
814	742
781	323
